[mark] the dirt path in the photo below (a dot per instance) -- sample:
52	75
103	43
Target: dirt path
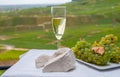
8	63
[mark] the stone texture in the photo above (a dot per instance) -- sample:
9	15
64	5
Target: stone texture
42	60
62	60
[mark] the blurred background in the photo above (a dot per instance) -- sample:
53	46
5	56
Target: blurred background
27	25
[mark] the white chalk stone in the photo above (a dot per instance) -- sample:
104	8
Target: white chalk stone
62	61
42	60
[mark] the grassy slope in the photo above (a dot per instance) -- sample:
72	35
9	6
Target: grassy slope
103	10
30	39
10	55
46	40
82	7
94	7
35	39
2	71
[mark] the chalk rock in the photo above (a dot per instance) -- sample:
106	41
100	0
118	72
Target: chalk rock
62	61
42	60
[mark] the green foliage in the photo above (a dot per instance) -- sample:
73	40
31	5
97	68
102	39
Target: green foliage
24	21
46	40
30	39
10	55
1	72
93	7
86	11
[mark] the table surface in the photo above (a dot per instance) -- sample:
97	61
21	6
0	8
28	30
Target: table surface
25	67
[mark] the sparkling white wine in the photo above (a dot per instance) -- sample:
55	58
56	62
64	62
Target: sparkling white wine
59	26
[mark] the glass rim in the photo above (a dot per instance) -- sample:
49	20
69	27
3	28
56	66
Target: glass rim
58	7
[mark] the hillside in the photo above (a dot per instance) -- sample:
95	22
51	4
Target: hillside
80	7
100	16
95	11
84	7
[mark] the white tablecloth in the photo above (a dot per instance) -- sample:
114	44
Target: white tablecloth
25	67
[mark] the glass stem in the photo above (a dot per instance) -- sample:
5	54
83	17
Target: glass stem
58	43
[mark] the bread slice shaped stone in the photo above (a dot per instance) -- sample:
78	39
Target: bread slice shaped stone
62	61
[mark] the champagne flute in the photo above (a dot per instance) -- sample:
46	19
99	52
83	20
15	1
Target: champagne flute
58	21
